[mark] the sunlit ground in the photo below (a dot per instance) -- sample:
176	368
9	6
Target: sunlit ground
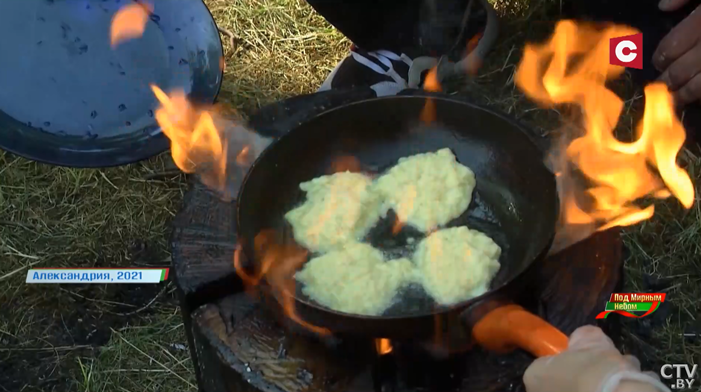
118	338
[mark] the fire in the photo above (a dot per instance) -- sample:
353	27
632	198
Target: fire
345	163
472	43
428	113
427	116
277	264
201	142
129	22
383	346
244	155
406	206
431	83
202	138
194	137
572	68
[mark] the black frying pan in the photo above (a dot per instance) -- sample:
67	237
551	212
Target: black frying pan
515	203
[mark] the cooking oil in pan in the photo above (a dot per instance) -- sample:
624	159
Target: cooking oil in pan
402	243
492	211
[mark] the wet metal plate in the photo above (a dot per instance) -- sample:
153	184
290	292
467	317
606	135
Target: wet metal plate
68	98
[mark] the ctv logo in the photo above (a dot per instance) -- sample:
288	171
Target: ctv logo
627	51
685	375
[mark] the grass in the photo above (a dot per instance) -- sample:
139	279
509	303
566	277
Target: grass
105	338
281	48
130	338
59	217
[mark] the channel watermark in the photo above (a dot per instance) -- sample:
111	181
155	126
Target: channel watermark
627	51
680	376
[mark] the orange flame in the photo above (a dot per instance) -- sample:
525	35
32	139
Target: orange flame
129	22
427	116
278	264
405	208
431	84
473	61
194	138
244	155
572	68
383	346
199	145
201	138
472	43
620	173
345	163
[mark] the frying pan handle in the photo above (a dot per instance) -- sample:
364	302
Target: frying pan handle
506	327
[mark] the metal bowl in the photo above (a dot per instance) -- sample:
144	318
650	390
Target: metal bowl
68	98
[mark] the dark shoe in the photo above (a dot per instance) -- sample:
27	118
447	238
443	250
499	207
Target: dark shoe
444	31
383	71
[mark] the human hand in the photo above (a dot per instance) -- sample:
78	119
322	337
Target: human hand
591	363
678	56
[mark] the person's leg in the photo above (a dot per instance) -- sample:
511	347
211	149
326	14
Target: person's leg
373	25
416	27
